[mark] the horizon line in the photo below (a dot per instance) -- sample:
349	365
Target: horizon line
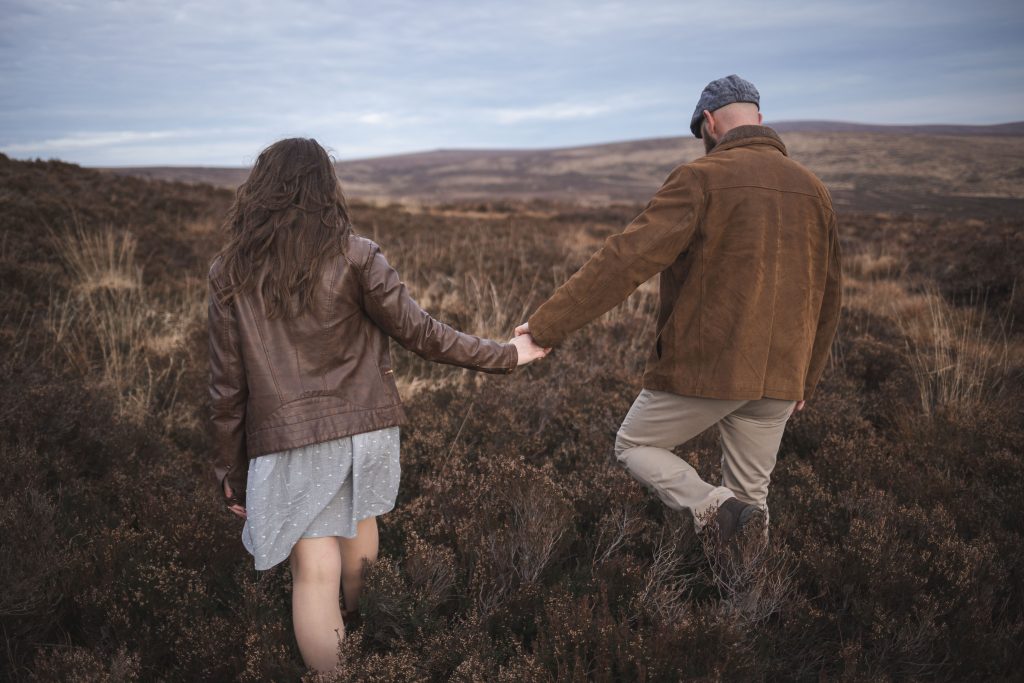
925	127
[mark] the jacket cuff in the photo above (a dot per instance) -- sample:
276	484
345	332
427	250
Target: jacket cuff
232	474
511	358
543	334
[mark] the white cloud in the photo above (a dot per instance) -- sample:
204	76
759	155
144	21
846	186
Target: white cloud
373	118
549	112
89	140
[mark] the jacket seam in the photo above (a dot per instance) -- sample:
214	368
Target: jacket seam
320	417
396	418
361	267
307	396
365	332
376	299
229	344
330	304
376	364
775	286
703	284
266	352
765	187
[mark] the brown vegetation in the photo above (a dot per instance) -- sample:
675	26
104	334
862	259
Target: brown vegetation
518	551
967	171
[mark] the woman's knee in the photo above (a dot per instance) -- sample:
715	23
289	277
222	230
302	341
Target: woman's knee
316	559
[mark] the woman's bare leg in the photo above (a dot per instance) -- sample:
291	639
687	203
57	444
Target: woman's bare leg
353	552
316	614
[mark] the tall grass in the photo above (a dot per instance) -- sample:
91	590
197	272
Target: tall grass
959	355
108	328
958	362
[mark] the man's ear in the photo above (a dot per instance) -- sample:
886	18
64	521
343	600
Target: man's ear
759	117
710	121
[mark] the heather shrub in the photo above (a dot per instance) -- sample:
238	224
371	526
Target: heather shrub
74	664
29	529
519	550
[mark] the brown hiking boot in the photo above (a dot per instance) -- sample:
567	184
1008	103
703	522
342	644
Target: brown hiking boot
734	517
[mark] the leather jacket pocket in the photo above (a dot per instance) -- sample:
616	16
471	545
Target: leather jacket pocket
384	361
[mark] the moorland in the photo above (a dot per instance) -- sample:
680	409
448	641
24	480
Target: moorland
517	550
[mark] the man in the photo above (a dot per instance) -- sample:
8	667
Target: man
745	241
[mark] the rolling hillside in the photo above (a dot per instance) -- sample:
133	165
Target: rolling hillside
873	168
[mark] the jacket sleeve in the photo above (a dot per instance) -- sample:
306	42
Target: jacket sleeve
649	245
389	305
228	394
828	317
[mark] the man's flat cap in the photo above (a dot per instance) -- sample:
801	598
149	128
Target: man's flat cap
719	93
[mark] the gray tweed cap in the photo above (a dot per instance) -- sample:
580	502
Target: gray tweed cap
719	93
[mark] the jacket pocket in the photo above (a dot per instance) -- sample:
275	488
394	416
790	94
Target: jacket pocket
385	363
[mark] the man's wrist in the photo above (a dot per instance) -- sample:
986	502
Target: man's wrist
541	335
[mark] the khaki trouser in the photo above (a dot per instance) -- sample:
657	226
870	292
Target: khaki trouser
750	435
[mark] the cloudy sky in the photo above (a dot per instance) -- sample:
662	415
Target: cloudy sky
148	82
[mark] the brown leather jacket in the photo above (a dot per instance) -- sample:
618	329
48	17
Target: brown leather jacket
279	384
751	279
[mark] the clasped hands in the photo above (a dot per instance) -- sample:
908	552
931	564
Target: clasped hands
527	348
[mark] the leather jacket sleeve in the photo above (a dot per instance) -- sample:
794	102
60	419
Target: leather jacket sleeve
228	395
388	304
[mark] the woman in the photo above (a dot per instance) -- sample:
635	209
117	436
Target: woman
305	411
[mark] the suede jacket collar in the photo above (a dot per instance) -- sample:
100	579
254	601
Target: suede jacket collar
750	135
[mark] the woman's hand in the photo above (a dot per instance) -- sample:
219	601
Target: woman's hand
526	348
236	508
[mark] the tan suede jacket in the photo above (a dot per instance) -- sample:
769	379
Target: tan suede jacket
751	279
280	384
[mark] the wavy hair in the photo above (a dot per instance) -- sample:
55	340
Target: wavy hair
289	218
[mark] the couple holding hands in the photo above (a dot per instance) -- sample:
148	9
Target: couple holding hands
305	411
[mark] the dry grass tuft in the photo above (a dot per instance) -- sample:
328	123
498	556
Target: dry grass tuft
108	328
104	260
958	362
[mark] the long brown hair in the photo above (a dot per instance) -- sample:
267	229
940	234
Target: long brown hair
288	219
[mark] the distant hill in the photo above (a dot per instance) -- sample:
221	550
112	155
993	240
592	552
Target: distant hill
1015	128
867	167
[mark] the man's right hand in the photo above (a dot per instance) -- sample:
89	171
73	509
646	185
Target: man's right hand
798	407
526	348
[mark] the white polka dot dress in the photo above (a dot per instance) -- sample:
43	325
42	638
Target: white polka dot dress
322	489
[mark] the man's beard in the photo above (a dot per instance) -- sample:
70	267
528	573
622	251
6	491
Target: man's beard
709	142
